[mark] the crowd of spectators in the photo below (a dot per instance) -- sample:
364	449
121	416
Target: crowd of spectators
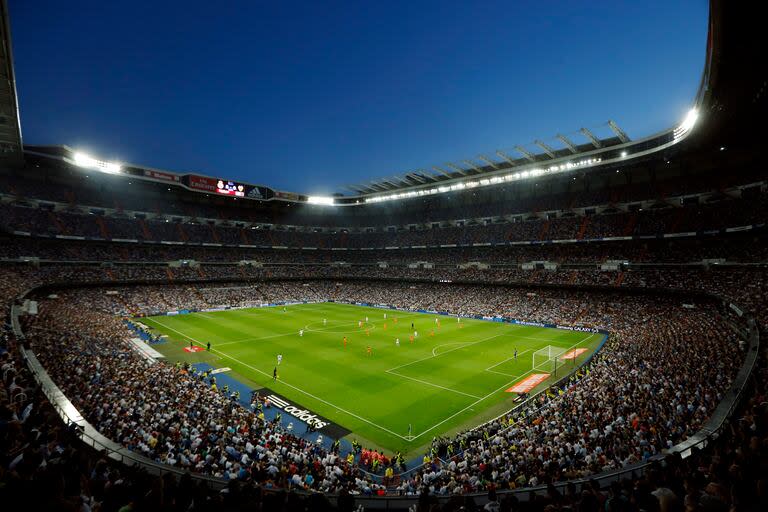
737	248
156	409
663	371
563	225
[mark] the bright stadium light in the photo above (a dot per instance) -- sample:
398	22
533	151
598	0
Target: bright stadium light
89	162
84	160
690	119
483	182
687	125
324	200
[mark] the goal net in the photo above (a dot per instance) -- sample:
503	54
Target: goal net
548	359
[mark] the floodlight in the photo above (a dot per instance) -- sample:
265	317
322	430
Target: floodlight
89	162
320	200
690	120
84	160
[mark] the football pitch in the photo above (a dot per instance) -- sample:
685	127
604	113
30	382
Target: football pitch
451	376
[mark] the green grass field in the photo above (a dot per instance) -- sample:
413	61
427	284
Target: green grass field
440	383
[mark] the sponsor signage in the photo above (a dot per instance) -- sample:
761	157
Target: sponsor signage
227	187
317	422
201	183
573	354
288	196
577	328
163	176
258	193
528	383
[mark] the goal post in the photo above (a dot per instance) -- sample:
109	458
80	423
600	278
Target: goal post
548	359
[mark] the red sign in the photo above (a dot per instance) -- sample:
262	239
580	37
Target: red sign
202	183
216	186
573	354
193	349
528	383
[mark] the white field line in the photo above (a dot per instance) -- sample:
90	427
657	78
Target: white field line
287	384
405	438
491	393
432	384
448	345
507	359
295	333
255	339
467	344
502	373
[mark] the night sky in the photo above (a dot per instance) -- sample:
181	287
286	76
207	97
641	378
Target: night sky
309	96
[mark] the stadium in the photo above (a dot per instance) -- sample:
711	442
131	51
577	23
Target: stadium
571	326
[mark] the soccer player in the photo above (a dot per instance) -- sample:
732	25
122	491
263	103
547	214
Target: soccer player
397	342
369	350
279	359
366	319
345	341
325	321
515	353
274	374
209	346
301	333
415	334
411	338
411	325
385	316
359	323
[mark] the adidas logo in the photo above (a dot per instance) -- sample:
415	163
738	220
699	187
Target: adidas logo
304	415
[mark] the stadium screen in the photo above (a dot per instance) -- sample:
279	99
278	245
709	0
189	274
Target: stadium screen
230	188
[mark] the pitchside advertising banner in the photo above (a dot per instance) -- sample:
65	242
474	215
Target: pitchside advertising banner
322	425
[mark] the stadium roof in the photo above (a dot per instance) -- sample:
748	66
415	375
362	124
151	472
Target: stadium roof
500	160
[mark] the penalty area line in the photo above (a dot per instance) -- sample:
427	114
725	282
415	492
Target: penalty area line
431	384
504	361
492	392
